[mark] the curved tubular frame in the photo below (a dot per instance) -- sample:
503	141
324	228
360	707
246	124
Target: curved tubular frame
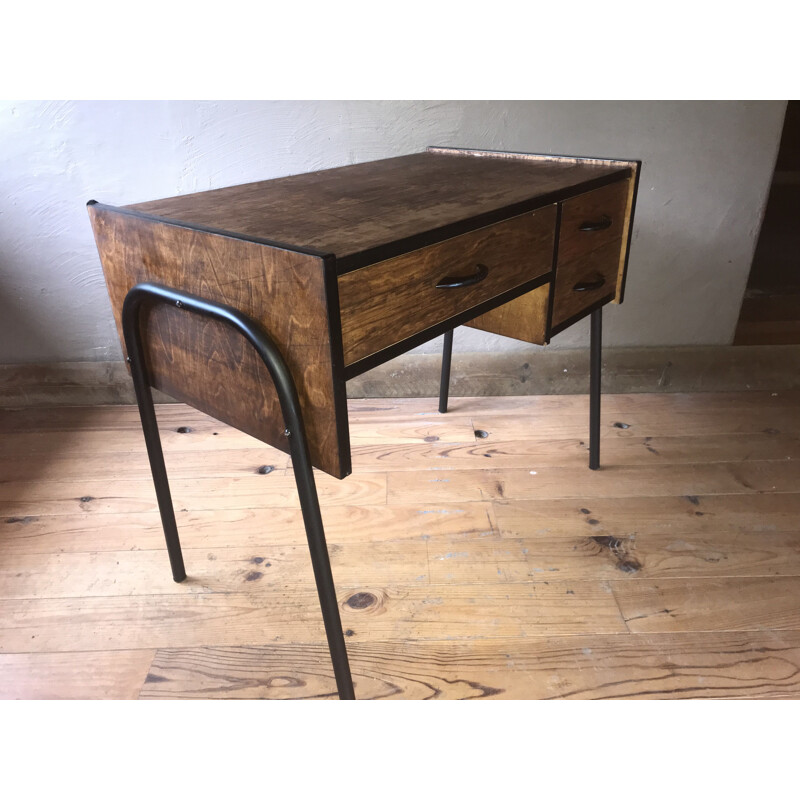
150	293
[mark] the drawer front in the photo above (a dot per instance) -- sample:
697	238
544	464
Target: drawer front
592	220
590	247
386	303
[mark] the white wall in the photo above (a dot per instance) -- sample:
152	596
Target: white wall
706	173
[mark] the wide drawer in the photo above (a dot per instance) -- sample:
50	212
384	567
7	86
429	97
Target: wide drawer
385	303
590	250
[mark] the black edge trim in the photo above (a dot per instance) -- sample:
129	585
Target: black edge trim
337	364
399	247
551	300
308	251
630	232
562	326
370	362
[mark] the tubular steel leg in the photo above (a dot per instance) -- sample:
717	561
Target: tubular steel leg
595	370
444	385
144	399
298	445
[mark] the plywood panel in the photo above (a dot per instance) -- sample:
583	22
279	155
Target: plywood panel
205	363
524	318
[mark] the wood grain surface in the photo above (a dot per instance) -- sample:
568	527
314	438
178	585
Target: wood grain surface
672	572
207	364
356	211
524	318
635	666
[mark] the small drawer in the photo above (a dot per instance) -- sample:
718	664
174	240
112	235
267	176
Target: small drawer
581	283
385	303
590	249
592	220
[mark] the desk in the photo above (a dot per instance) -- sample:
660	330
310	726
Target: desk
256	303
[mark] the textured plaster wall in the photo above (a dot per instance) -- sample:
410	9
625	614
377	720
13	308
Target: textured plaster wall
706	173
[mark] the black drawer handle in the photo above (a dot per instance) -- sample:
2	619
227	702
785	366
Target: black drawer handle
589	286
455	281
601	224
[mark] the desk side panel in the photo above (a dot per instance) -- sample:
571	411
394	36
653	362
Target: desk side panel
627	234
205	363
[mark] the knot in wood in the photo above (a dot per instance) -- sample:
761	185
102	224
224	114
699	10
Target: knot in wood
361	600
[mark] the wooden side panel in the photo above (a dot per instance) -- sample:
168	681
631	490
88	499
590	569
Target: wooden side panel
208	365
524	318
633	188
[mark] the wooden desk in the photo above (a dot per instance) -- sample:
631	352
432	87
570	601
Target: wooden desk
346	268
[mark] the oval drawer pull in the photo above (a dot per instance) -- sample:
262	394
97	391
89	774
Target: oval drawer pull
589	286
601	224
456	281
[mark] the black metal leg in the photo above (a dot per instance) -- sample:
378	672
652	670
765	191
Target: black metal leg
595	370
315	533
298	445
144	399
444	385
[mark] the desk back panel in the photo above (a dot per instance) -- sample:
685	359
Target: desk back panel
524	318
208	365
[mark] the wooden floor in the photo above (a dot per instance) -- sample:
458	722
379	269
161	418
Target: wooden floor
475	554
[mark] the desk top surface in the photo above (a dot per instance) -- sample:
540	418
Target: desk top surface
368	212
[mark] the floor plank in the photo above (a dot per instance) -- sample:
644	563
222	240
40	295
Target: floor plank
110	675
631	558
62	467
225	570
454	486
118	493
574	452
670	666
684	514
724	604
292	614
85	532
